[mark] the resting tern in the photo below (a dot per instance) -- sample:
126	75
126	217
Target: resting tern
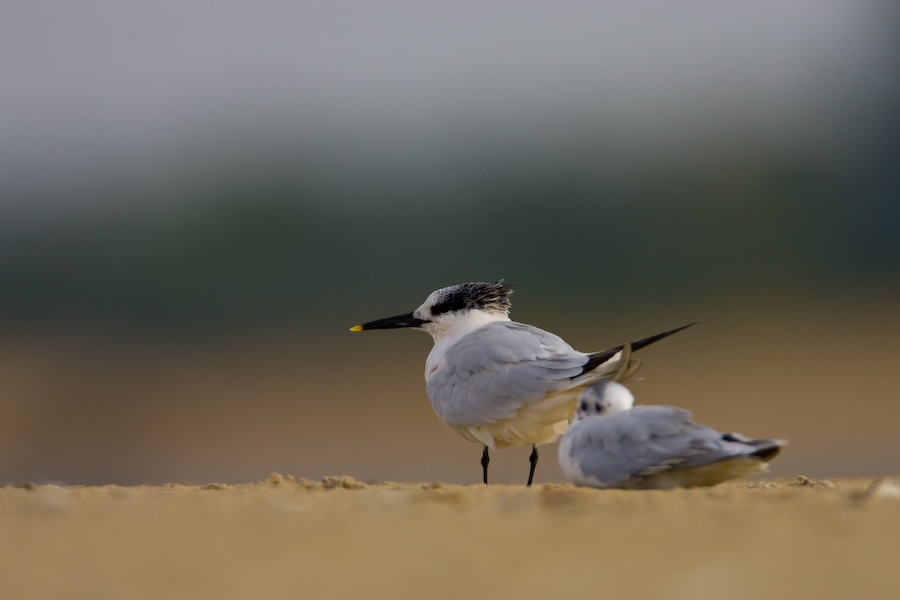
613	444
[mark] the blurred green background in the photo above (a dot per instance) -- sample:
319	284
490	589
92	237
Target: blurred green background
196	206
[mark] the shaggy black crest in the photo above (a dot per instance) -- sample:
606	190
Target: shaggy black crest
490	295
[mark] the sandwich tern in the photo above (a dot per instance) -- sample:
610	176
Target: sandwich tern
613	444
501	383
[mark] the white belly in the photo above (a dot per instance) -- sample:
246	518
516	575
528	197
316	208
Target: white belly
541	422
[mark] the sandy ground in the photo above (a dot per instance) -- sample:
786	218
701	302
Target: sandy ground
338	538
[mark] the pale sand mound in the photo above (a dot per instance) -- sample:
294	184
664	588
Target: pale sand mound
342	539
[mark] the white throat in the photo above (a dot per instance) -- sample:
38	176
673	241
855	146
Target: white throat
448	330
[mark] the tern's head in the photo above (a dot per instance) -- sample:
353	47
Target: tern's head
477	301
603	398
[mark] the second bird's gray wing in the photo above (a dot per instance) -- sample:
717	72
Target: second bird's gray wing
643	441
493	371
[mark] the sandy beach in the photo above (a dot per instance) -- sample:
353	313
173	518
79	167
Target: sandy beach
339	538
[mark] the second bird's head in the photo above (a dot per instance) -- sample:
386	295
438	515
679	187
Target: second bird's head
603	398
472	303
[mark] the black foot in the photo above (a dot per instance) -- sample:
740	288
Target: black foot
533	458
485	459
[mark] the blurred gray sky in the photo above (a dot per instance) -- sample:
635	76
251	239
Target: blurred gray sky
149	95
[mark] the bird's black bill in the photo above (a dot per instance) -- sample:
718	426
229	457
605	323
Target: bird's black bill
398	322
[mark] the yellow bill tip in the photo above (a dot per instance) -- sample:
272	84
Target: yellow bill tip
356	328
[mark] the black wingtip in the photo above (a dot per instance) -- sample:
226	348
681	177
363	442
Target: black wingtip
767	453
655	338
765	449
598	358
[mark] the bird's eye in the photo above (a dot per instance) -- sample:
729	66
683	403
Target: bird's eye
598	407
584	405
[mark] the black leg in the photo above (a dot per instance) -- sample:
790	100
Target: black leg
533	458
485	459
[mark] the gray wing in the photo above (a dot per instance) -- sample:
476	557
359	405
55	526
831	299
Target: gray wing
646	440
495	370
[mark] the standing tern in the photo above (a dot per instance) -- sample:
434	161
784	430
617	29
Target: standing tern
613	444
500	383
